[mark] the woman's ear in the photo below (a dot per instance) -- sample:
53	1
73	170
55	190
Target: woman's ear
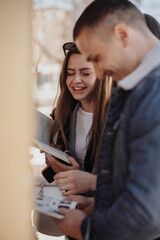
121	33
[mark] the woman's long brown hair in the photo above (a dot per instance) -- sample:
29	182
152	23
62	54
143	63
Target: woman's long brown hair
65	105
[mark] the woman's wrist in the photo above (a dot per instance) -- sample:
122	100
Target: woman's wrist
93	180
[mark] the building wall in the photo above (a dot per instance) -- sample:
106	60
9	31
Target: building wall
15	120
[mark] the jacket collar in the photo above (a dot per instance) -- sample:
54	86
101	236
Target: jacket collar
150	61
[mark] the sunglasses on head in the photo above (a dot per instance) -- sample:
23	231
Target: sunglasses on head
69	46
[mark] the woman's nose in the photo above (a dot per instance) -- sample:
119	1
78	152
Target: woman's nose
77	78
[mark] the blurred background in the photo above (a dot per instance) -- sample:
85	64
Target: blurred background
52	25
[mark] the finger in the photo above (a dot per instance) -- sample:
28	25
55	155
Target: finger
68	153
50	158
65	187
68	193
63	211
76	198
73	162
51	161
61	181
55	164
41	151
62	166
61	175
47	162
81	200
55	146
57	170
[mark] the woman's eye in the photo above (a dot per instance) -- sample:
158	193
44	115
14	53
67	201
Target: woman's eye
85	74
70	74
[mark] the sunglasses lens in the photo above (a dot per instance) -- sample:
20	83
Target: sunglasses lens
68	46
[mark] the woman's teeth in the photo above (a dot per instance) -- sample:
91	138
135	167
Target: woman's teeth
76	88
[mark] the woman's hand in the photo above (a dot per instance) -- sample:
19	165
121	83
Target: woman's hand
75	182
60	167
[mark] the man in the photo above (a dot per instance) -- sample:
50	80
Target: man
113	35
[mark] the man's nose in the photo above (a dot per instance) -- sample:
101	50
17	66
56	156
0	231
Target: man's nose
99	72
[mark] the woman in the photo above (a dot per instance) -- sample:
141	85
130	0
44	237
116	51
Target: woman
78	122
79	117
153	25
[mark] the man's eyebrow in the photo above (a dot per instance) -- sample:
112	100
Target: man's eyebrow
92	57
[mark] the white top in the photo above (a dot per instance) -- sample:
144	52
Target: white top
83	125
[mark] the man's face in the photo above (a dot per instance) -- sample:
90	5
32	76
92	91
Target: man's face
109	57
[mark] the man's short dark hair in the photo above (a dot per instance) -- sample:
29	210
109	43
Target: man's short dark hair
124	11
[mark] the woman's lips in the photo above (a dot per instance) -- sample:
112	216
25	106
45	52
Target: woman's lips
78	90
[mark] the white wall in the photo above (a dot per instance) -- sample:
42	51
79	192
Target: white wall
15	120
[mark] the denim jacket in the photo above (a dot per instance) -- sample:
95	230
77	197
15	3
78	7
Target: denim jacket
133	208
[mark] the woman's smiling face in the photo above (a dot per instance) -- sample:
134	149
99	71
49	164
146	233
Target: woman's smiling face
81	77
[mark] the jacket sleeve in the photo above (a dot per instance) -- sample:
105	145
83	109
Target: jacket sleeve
135	215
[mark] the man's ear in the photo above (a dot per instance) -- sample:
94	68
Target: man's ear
121	33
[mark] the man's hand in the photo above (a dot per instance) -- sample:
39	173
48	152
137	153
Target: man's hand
86	204
71	224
